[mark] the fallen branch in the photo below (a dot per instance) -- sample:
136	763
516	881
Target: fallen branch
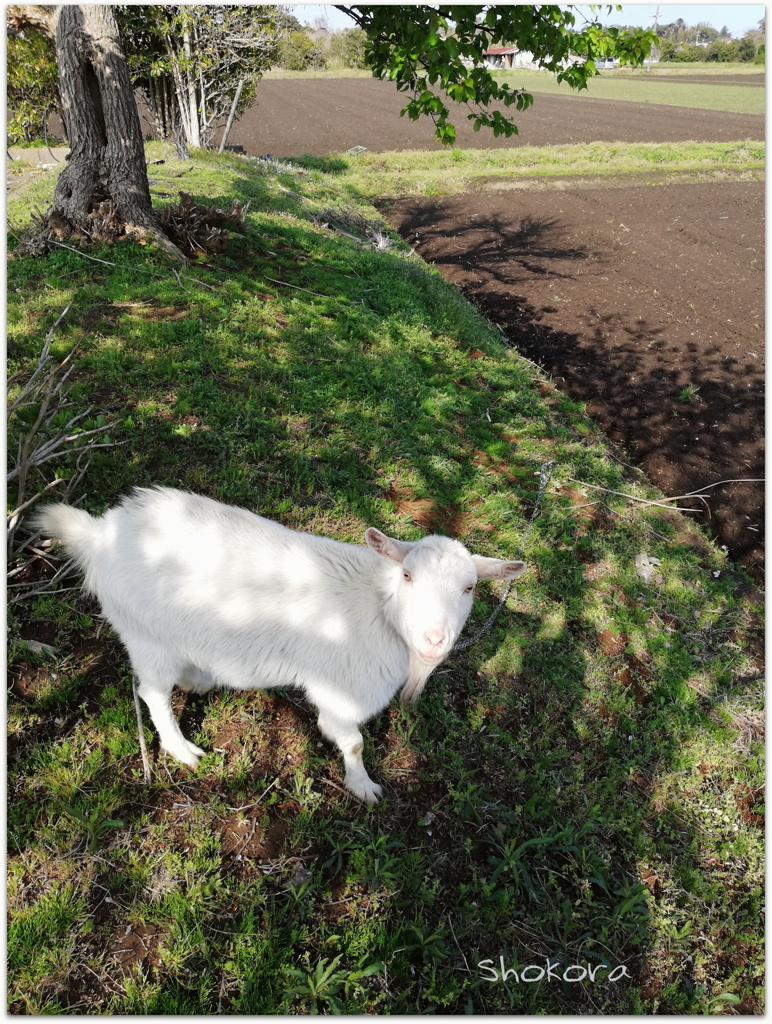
296	287
27	590
745	480
632	497
43	417
307	199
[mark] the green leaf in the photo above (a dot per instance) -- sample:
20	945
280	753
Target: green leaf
367	971
30	414
77	815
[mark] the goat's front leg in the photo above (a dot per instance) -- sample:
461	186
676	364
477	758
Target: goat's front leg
349	739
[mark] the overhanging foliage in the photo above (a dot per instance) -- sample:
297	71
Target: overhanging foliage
419	47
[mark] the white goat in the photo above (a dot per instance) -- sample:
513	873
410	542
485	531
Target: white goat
204	594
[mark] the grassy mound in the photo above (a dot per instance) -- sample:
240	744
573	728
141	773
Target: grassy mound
580	789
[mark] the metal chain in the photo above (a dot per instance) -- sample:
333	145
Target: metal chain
544	477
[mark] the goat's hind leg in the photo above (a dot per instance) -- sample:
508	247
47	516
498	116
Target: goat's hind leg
157	675
349	739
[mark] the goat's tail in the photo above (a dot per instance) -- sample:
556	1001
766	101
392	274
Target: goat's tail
73	527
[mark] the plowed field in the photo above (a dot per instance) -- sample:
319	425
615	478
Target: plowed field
321	116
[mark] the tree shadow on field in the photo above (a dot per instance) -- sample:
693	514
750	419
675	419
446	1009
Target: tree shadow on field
506	252
680	416
686	410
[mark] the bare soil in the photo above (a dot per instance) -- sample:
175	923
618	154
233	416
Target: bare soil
320	116
627	296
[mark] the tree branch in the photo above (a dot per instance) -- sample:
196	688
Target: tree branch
19	16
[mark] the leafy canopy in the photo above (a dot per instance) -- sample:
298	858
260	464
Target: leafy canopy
419	47
32	84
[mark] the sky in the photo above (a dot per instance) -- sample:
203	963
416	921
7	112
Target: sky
738	18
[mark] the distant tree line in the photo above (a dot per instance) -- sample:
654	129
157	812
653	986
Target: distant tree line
303	49
682	43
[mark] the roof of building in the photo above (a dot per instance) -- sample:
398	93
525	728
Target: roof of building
497	50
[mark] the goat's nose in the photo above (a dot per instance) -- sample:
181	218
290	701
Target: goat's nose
435	638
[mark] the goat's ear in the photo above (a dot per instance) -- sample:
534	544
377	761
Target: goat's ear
497	569
385	546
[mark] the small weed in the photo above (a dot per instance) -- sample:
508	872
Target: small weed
428	944
94	824
689	393
326	983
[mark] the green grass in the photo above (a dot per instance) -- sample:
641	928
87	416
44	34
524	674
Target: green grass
583	784
459	170
637	87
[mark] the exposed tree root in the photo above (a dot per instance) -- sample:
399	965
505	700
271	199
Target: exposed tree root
184	230
201	229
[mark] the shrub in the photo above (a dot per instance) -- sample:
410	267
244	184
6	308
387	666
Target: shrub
347	48
298	52
746	49
33	86
723	53
666	49
689	54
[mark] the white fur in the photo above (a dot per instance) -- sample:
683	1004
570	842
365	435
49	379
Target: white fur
204	594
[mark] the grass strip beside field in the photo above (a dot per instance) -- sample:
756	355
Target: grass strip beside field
583	786
638	87
455	170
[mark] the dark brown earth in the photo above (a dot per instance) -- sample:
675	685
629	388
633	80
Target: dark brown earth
320	116
717	79
626	296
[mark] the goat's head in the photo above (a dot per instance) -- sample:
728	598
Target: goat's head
433	586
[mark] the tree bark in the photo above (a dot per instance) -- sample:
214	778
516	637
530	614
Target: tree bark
194	136
103	192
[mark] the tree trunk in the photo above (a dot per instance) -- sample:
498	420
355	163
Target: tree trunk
194	135
103	192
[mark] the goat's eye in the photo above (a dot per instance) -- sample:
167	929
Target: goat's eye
469	589
408	577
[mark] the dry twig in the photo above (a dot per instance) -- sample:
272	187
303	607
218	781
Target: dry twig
632	497
146	773
48	429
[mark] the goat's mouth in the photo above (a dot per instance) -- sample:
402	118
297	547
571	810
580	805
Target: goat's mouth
432	659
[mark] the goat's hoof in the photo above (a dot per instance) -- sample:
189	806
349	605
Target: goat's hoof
194	749
186	755
368	791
